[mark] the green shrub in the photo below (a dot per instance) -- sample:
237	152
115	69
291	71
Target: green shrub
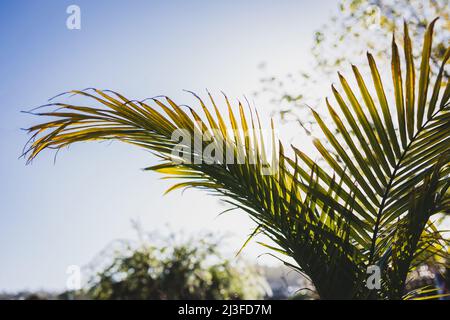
191	270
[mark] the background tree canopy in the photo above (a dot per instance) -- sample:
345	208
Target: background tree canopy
190	270
358	27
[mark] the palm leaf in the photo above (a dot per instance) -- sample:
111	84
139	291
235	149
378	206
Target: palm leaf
386	175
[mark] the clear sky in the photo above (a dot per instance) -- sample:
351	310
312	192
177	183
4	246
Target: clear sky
56	215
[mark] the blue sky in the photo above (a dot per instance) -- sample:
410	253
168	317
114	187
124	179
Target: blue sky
56	215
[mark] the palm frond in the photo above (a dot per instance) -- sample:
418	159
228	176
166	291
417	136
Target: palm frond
387	174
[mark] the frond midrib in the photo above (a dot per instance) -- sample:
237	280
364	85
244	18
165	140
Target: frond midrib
392	177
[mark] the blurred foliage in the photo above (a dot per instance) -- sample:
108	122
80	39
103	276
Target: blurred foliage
191	270
359	26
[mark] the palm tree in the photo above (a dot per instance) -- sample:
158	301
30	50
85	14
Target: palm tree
367	202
